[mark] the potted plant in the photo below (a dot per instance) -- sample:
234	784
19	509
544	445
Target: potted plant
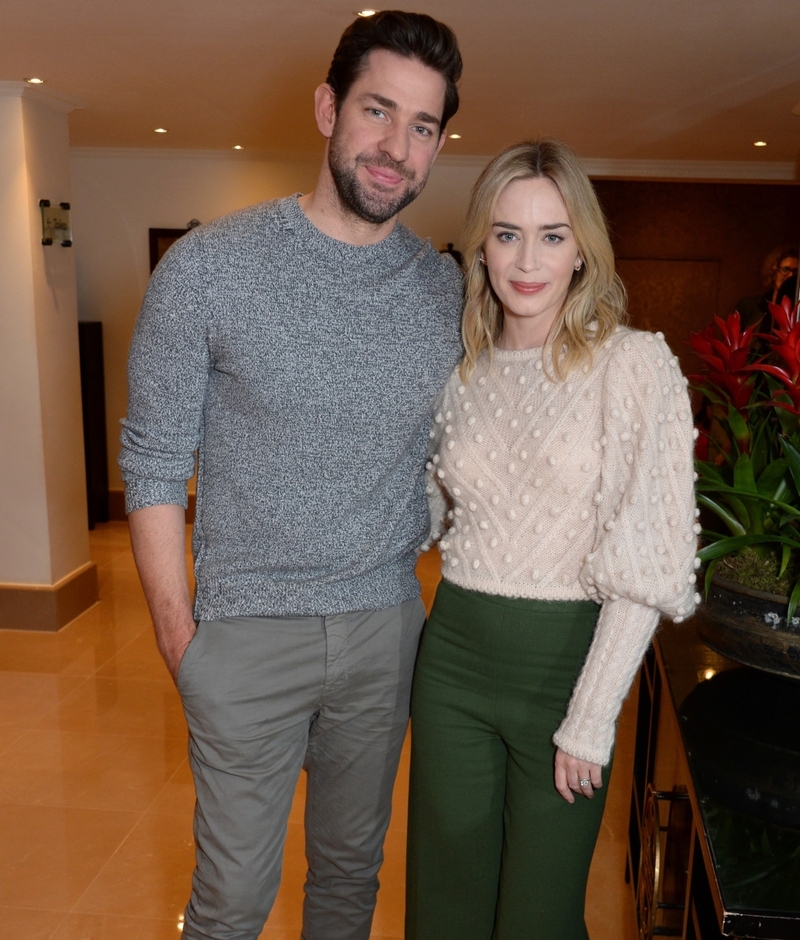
748	487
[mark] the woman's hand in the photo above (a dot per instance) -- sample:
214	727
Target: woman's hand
570	772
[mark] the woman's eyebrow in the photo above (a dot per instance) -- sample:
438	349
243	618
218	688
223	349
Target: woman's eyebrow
542	228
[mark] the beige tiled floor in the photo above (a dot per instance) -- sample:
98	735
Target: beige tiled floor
96	796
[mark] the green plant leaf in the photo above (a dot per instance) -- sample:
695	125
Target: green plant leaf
772	477
743	477
794	597
759	448
712	394
786	554
788	421
738	425
793	456
736	526
708	471
733	544
730	492
710	568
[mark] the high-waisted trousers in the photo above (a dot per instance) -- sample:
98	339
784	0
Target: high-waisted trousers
495	853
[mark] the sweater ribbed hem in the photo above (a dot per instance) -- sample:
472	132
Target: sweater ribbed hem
249	595
532	592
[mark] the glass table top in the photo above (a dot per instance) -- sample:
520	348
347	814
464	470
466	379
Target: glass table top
741	731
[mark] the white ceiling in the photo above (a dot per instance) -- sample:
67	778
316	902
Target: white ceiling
617	79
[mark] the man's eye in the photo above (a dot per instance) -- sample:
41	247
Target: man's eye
423	131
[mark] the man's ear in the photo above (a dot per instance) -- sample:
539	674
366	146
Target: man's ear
442	139
325	109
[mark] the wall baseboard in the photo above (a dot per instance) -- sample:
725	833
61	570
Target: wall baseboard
116	507
48	608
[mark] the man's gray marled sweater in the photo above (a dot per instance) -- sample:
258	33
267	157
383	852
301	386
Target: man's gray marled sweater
304	370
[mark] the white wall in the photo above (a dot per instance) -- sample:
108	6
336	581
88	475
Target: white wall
42	482
119	195
24	552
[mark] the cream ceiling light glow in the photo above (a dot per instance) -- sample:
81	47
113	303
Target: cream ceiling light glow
760	143
160	130
238	147
35	81
454	136
366	12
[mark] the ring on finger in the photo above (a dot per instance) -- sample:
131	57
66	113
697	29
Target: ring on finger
585	782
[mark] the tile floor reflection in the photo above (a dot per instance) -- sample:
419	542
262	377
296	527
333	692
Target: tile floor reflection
96	796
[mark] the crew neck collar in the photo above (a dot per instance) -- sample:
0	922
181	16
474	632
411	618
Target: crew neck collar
298	222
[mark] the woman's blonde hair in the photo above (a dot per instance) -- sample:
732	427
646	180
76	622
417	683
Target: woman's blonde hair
595	301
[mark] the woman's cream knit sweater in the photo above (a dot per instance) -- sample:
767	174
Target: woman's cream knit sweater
581	489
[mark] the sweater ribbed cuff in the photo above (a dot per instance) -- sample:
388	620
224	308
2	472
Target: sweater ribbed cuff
624	630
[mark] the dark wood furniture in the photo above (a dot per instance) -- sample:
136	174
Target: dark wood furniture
714	847
93	402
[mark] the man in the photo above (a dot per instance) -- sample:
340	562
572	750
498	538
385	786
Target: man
299	346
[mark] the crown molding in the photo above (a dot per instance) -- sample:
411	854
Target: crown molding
166	153
697	170
744	170
50	99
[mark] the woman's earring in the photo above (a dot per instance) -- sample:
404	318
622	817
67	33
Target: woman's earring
578	264
482	258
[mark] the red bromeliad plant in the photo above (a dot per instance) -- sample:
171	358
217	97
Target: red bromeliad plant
748	449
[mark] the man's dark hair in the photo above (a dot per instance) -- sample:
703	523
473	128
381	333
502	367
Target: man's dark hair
413	35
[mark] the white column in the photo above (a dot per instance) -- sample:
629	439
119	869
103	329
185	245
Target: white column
46	576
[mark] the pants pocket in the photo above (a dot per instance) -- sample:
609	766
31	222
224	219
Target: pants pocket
184	668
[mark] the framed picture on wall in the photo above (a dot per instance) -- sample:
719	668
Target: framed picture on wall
160	240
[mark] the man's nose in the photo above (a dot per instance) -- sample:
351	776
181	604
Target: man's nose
395	144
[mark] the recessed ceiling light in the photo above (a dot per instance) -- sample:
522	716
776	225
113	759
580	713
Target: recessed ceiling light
35	81
161	130
454	136
238	147
366	12
760	143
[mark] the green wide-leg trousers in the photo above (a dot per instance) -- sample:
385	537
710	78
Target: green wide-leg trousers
494	852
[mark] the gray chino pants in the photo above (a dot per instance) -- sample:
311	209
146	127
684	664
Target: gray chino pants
263	698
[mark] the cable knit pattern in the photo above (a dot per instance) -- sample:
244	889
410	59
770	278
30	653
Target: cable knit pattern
581	489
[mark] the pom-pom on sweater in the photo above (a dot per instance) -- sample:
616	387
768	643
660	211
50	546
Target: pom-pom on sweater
574	489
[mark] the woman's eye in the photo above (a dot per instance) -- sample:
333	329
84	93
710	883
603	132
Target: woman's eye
553	239
506	236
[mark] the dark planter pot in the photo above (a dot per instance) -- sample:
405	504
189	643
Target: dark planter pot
750	627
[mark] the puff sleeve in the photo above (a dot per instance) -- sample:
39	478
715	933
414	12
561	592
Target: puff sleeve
643	559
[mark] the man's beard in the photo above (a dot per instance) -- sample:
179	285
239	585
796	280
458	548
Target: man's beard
372	207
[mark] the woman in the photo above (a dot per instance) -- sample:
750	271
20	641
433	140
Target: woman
563	445
779	272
